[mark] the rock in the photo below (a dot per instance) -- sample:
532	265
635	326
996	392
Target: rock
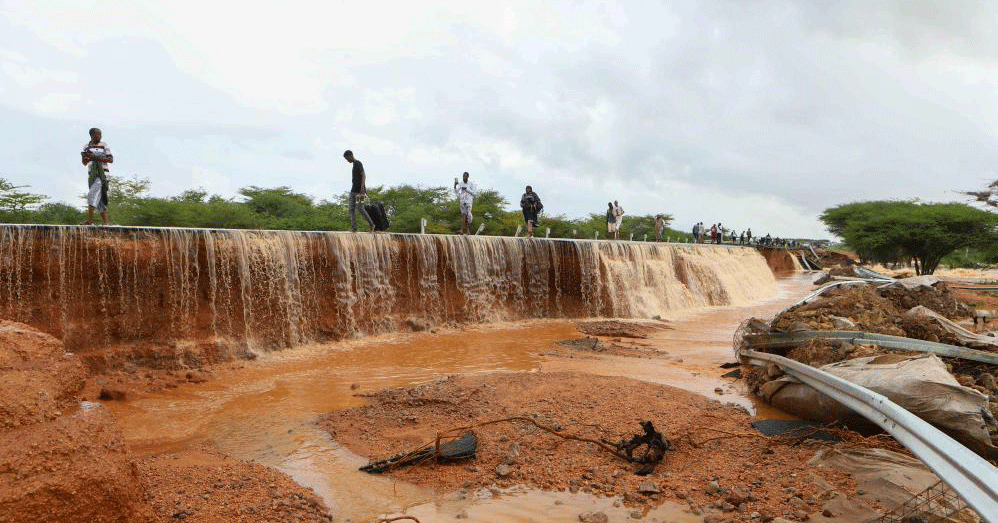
712	488
842	324
649	487
462	515
415	324
988	381
636	514
513	454
714	518
354	386
472	468
593	517
503	470
800	515
111	394
718	390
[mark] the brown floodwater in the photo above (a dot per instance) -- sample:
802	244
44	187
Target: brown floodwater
265	411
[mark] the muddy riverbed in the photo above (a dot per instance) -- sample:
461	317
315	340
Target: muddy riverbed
266	411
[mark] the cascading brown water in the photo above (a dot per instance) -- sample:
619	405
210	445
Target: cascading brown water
163	296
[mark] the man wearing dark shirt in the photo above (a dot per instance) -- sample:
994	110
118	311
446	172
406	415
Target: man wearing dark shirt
358	192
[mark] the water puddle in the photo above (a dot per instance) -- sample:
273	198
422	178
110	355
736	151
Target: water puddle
265	411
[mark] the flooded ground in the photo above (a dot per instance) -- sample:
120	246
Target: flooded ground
265	411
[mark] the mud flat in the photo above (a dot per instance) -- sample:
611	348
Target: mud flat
717	463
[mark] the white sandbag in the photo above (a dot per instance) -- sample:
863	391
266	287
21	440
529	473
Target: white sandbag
915	282
964	336
920	384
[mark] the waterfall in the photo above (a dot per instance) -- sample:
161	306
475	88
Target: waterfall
163	295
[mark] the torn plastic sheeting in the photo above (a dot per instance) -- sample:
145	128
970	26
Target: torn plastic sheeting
965	336
921	385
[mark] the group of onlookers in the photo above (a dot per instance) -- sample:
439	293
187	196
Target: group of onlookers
718	234
97	156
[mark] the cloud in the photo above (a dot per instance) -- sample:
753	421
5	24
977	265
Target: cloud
760	113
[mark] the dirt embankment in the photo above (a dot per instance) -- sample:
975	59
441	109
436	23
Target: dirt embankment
63	459
779	260
717	463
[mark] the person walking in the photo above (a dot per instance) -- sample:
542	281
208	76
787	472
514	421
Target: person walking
611	222
748	235
358	192
96	156
713	233
532	206
466	192
720	234
696	233
659	227
618	214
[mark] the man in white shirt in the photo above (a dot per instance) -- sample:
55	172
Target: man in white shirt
96	156
466	192
618	213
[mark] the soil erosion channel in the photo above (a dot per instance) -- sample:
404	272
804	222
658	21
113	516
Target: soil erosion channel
265	411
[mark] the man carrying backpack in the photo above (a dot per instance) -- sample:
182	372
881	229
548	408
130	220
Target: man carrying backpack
532	206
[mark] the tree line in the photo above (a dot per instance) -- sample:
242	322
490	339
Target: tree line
282	208
925	234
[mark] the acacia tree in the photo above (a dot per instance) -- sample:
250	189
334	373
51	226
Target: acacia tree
890	231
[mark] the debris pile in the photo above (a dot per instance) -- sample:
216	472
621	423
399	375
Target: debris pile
920	308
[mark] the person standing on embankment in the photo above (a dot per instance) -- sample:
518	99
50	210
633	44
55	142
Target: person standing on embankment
358	192
618	216
531	205
611	222
466	192
96	156
659	227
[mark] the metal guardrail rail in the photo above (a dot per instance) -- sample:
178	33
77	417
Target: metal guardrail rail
792	339
973	478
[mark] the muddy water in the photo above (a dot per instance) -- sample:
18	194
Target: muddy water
265	411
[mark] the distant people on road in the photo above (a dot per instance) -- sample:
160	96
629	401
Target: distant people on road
358	192
96	156
741	239
611	222
466	192
532	206
618	214
696	233
713	233
659	227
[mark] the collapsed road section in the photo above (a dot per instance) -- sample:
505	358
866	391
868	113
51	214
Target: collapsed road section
866	351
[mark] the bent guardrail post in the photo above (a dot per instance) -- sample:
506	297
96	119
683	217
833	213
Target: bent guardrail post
968	474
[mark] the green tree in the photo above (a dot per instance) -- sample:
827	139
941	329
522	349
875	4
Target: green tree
891	231
16	205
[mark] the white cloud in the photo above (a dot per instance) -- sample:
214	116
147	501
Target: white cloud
763	112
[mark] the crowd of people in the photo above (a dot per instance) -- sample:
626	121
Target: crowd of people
718	234
96	157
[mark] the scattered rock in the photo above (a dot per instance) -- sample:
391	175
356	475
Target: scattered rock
649	487
593	517
712	488
636	514
354	386
110	394
503	470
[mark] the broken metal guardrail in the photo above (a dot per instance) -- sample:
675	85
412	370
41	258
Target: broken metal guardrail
973	478
792	339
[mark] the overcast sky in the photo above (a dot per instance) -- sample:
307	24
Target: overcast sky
754	113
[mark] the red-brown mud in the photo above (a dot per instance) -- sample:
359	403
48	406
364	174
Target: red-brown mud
718	462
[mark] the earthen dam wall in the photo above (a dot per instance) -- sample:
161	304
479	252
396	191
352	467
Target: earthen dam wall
164	297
